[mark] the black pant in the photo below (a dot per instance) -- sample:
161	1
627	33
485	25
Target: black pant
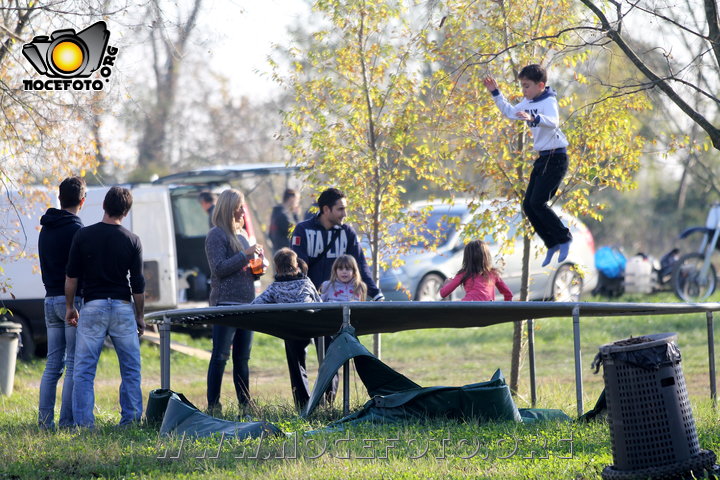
241	340
296	355
548	171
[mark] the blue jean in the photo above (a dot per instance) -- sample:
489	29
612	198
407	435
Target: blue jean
60	358
241	340
99	318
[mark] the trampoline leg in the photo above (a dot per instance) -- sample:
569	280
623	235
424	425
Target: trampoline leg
578	360
321	350
711	358
346	368
164	329
531	354
346	388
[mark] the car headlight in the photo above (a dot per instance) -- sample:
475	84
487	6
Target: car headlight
396	271
389	278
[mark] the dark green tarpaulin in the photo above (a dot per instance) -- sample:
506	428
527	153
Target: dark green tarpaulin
395	397
486	401
182	418
378	378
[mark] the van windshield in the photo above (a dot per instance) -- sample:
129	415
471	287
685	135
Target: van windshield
190	219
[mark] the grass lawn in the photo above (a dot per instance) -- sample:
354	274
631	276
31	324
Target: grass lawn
434	449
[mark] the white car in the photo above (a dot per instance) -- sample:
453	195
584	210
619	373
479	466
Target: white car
425	270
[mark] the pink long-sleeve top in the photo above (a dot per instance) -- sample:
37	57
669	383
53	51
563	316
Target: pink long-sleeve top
478	288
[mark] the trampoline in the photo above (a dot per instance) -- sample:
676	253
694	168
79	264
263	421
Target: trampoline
308	320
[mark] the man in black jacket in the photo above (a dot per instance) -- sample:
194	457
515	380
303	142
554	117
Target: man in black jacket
318	241
283	219
58	228
103	255
324	237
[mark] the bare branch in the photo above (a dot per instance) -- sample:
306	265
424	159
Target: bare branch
614	34
671	21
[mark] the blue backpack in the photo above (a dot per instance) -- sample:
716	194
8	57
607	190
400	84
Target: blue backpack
610	262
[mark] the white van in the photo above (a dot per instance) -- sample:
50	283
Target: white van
167	217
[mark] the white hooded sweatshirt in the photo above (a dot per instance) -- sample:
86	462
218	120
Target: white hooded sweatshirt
546	126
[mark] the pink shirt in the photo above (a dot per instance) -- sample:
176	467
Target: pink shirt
479	288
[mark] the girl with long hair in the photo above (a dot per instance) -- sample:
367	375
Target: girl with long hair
345	284
477	275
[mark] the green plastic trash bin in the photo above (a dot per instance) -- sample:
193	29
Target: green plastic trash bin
9	337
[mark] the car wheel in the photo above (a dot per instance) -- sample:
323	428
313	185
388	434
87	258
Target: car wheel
567	284
429	288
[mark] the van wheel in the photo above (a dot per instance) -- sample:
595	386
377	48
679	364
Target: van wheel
27	350
567	284
429	288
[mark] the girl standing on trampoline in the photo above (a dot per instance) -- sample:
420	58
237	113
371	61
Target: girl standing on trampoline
477	276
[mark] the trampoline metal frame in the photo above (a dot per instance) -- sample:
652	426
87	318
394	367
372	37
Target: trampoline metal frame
467	311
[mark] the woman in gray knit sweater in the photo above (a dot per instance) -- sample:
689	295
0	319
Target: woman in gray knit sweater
228	252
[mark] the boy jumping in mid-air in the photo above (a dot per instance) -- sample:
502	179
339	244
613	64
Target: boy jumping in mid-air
540	110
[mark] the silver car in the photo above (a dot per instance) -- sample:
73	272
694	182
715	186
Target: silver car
425	270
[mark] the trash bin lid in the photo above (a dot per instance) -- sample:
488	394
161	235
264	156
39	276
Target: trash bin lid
10	327
639	343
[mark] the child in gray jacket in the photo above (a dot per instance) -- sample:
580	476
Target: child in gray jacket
291	285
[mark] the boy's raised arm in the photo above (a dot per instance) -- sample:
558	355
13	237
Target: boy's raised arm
490	84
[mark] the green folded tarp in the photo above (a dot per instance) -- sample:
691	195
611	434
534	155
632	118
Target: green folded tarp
182	418
395	397
378	378
157	404
486	401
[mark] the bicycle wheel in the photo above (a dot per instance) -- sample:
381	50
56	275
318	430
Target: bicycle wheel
688	282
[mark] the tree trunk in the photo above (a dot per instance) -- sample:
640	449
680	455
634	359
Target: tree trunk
518	328
152	146
517	345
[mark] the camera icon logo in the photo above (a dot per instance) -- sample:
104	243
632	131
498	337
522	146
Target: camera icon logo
67	54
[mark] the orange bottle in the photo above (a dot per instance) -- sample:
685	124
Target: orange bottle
257	265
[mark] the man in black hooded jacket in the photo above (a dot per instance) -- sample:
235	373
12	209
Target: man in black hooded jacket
58	228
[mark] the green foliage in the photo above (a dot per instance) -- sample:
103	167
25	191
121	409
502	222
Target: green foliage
383	101
358	109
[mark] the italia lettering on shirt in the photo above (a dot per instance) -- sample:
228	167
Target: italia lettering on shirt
316	243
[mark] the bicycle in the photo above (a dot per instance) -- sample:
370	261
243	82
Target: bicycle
694	278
